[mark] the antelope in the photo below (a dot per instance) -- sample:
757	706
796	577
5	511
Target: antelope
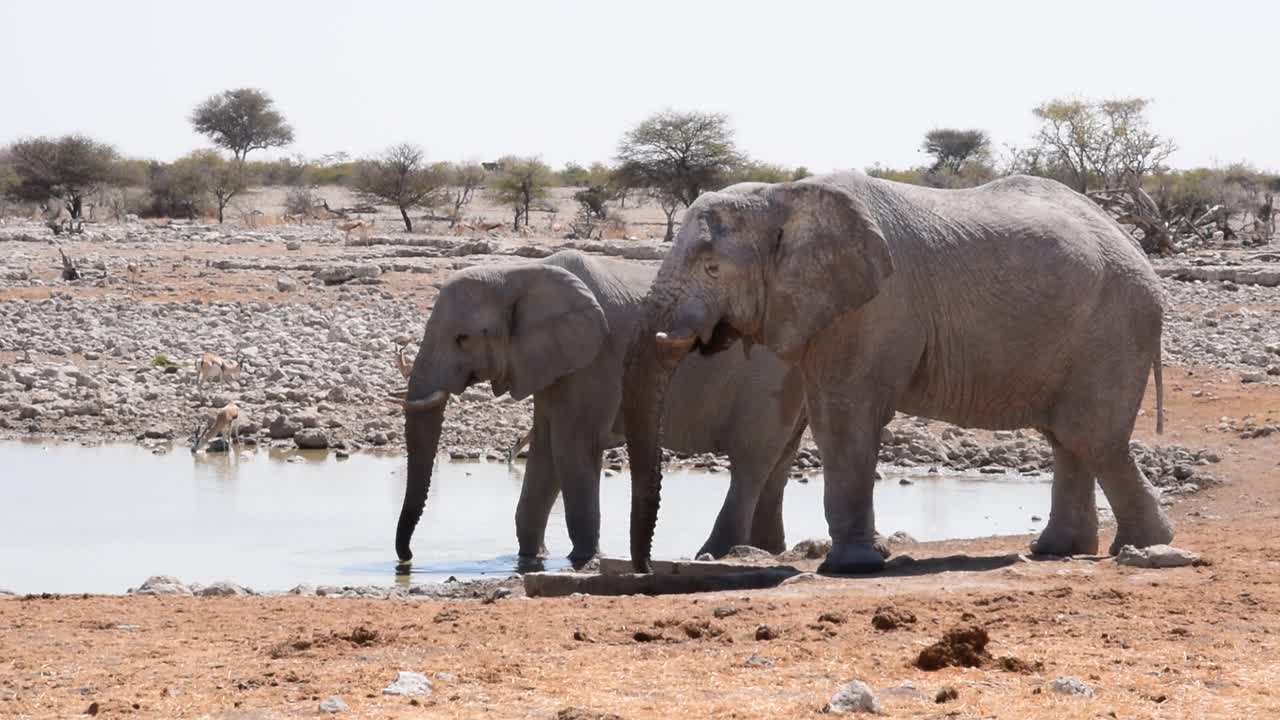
405	368
212	367
522	443
220	424
361	225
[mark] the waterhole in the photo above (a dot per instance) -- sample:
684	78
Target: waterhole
103	518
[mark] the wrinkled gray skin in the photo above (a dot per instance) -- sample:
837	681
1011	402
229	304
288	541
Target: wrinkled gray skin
558	329
1015	304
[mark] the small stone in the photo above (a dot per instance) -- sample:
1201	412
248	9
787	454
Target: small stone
644	636
724	612
1156	556
811	549
223	589
764	632
1071	686
334	704
409	684
855	697
162	585
446	677
759	661
284	283
946	694
902	537
311	439
748	552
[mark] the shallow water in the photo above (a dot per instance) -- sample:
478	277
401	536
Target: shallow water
104	518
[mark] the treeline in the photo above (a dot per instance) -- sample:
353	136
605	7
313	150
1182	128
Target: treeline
1105	149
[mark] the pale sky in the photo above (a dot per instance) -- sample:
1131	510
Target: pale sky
827	85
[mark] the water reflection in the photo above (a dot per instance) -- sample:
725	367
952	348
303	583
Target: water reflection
118	513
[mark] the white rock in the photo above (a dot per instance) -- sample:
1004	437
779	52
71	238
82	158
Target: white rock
855	697
409	684
334	704
223	588
162	585
1156	556
1071	686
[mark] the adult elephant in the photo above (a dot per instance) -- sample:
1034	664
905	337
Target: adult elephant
558	329
1014	304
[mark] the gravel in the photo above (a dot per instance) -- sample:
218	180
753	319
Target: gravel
318	362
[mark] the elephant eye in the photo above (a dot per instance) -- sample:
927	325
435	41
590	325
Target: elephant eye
713	270
461	340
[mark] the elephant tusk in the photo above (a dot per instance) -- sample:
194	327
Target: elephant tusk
430	402
680	340
747	344
399	394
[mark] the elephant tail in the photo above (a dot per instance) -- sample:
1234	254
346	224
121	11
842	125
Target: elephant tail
1158	368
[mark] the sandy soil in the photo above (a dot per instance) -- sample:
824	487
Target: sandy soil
1195	642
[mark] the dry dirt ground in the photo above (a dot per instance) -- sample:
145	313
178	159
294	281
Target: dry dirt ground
1194	642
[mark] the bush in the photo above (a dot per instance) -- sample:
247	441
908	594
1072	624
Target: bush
300	200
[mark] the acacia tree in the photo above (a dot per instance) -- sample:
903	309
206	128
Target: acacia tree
66	168
241	120
223	180
951	147
465	178
1100	141
678	155
401	177
522	181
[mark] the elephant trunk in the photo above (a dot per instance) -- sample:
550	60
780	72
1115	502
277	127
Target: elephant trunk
423	420
648	374
422	437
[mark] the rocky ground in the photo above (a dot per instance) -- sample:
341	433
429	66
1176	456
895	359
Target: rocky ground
315	320
315	316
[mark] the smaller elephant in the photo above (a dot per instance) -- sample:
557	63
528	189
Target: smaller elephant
559	329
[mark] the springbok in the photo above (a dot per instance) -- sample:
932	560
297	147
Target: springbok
212	367
521	444
404	367
351	225
220	424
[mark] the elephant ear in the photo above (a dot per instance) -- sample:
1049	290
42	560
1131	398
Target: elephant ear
557	327
828	257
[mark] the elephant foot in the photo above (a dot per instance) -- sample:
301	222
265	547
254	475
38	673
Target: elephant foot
1063	542
530	563
580	560
852	559
1155	531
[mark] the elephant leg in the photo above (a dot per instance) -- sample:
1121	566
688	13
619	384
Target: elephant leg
1073	513
734	522
1094	422
1140	521
578	464
848	434
537	494
767	531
